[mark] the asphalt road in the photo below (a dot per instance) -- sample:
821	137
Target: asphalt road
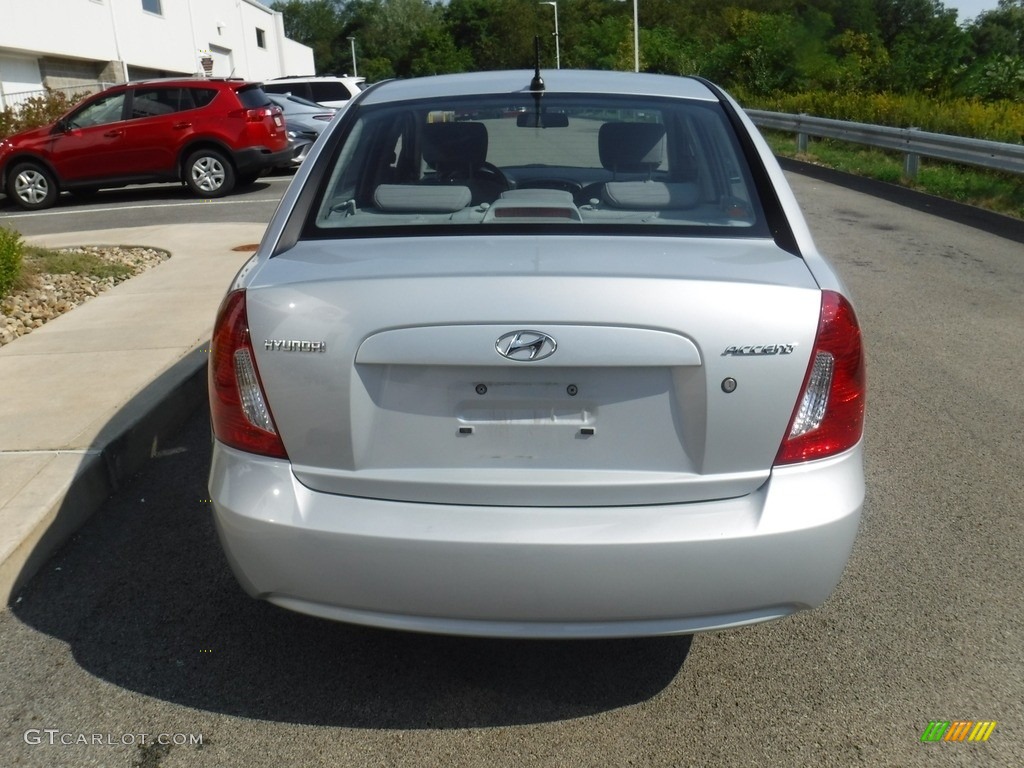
150	204
138	627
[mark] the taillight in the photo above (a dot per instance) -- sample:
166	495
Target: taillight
238	405
829	414
256	114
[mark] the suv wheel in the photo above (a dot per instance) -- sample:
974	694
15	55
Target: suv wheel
32	186
209	174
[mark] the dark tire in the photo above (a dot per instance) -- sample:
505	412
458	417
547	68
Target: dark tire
209	174
32	186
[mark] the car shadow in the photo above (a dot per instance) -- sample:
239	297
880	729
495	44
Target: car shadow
144	598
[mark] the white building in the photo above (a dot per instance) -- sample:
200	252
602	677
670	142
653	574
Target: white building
75	43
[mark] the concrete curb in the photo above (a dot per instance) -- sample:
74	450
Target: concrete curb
131	439
979	218
93	395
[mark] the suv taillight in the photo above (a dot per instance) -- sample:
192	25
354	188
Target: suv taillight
256	114
238	406
829	414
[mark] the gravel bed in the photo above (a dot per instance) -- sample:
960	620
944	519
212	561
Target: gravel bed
52	295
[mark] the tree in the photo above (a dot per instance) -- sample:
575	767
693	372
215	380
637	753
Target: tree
757	54
435	53
999	32
997	38
756	46
499	33
926	46
318	24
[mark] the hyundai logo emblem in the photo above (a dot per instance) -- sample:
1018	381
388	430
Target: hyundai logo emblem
526	346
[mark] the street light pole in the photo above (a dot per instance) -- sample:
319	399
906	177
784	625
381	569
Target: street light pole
636	35
352	40
558	52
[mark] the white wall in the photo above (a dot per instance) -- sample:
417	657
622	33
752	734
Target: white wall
298	59
174	41
17	74
75	28
161	42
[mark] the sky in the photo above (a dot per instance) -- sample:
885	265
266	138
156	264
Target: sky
971	9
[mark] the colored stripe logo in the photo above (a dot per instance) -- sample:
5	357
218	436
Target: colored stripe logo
958	730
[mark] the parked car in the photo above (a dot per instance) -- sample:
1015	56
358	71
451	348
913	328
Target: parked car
212	135
327	90
304	121
582	373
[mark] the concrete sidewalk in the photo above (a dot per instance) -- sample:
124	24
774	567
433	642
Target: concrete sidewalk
89	397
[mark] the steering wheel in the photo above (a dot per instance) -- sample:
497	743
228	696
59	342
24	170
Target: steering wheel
490	170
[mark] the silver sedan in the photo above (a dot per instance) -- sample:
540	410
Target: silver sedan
304	122
543	355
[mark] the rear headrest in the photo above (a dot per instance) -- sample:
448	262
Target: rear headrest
631	147
651	195
409	198
452	146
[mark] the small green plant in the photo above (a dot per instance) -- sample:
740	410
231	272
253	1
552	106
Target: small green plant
11	247
35	262
43	261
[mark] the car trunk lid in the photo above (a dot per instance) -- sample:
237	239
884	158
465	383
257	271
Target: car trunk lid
665	370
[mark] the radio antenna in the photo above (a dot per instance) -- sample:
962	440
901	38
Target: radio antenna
537	84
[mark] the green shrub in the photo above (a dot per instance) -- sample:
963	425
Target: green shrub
37	110
998	120
7	123
10	258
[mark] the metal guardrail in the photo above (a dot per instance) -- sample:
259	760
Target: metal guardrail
912	142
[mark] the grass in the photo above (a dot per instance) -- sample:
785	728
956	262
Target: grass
40	261
1000	192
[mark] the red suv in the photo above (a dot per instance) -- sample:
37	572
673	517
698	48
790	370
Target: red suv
211	135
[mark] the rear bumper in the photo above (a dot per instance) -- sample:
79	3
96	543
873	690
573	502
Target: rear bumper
539	572
253	159
297	151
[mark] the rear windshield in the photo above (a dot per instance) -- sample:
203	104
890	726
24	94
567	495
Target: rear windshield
301	102
285	89
253	97
329	90
563	161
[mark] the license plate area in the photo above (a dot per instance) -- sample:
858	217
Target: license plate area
525	403
409	416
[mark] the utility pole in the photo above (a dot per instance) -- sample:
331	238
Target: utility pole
558	52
